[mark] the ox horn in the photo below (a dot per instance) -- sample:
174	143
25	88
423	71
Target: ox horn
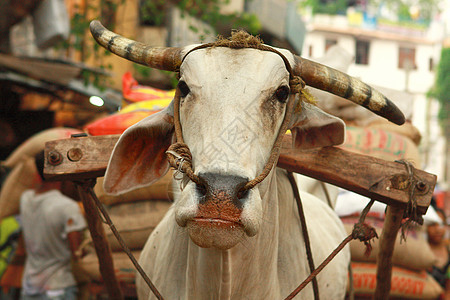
338	83
162	58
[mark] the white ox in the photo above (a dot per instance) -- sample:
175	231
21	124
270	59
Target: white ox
217	243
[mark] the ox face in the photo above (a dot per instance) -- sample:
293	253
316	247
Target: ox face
232	106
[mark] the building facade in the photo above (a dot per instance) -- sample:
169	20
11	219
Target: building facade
390	56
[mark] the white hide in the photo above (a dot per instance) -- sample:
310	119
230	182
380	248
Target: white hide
268	266
328	193
230	120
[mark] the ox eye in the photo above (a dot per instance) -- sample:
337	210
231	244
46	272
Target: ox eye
282	93
184	89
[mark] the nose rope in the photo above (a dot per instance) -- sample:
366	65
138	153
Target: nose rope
178	154
179	161
275	149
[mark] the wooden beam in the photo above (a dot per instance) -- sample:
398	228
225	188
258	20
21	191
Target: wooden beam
378	179
384	181
391	226
101	245
78	158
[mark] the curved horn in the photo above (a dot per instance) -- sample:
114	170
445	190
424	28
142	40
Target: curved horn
162	58
338	83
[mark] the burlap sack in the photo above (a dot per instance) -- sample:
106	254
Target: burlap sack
405	284
36	143
382	144
408	130
414	253
87	268
134	221
157	191
23	177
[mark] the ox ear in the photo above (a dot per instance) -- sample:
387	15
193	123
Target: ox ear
139	158
313	128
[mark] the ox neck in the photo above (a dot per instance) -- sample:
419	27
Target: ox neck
255	257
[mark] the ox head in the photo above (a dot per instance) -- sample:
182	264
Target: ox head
232	105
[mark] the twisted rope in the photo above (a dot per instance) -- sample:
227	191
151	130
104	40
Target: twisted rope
88	188
305	233
360	231
276	147
179	155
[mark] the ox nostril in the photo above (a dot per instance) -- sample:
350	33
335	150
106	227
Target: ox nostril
217	186
242	194
201	189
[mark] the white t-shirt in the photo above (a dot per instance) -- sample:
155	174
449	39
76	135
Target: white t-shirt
46	219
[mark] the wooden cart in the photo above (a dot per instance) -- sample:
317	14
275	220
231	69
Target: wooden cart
406	191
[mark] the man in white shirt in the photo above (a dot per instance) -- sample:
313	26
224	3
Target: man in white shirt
52	225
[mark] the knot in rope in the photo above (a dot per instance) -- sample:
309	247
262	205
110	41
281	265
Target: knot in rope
296	84
365	233
180	158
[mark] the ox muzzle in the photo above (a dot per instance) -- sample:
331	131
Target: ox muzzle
220	205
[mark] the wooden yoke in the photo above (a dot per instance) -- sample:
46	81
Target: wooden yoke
381	180
86	158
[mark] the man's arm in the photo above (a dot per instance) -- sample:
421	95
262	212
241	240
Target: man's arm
74	238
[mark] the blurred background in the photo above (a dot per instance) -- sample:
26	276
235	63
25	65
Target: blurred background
50	66
53	75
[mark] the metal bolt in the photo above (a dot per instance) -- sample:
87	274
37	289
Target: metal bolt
421	186
54	158
74	154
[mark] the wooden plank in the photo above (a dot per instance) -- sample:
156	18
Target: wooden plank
391	226
378	179
87	157
54	72
101	245
78	158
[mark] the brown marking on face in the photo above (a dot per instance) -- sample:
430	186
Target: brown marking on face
217	223
187	104
219	206
271	109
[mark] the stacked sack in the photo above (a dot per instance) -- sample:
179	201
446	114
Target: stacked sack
22	173
136	213
369	134
380	143
411	257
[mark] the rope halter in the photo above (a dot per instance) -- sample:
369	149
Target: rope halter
179	155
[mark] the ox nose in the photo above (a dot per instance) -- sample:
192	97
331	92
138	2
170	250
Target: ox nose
222	187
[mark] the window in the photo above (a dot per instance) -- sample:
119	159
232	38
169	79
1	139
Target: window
329	43
362	52
310	50
431	65
407	58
